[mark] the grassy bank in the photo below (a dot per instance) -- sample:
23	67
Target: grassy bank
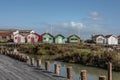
91	55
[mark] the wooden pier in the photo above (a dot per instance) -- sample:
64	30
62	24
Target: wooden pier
15	66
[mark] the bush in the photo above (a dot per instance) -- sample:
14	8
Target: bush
95	55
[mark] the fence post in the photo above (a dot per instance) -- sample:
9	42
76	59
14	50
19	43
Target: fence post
57	69
20	59
69	73
27	58
109	71
102	77
32	61
47	65
39	63
83	75
0	51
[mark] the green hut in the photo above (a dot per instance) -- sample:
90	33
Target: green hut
47	38
60	39
73	39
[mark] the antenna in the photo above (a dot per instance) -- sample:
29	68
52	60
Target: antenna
78	32
51	29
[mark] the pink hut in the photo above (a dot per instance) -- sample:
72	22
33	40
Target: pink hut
33	37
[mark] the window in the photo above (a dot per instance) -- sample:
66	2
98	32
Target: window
73	38
3	37
100	39
44	38
15	37
28	37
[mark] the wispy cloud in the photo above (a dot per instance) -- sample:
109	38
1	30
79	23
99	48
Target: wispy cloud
71	24
95	16
79	28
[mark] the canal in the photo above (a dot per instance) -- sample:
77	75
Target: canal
92	72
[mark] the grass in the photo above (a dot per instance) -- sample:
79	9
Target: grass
92	55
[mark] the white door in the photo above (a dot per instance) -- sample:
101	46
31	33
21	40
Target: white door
60	41
47	39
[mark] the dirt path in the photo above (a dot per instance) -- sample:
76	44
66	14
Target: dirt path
11	69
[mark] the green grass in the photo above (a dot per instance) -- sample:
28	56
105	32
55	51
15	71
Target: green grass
95	55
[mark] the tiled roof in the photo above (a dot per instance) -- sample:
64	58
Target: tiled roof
73	35
5	33
7	30
48	34
37	34
107	36
59	35
34	33
20	34
95	36
25	31
119	37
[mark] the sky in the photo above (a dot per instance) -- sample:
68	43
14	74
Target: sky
81	17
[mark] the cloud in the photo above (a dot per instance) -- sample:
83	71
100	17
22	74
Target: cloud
71	24
83	30
95	16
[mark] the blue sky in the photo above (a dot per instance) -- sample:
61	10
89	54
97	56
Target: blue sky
81	17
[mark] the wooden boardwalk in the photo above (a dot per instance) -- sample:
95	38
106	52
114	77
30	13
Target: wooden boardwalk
11	69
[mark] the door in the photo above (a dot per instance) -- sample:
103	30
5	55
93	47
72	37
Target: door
47	40
19	39
32	40
60	41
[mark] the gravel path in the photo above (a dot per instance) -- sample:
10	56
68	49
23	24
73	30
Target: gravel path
11	69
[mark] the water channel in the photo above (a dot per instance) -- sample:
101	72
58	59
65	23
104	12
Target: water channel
92	72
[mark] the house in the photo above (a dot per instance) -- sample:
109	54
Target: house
111	40
99	39
32	37
40	39
119	39
5	36
47	38
73	39
18	38
60	39
25	32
